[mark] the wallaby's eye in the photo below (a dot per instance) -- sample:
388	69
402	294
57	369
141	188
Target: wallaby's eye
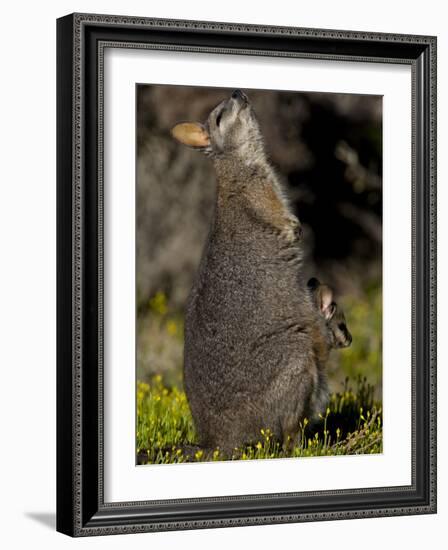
218	118
341	326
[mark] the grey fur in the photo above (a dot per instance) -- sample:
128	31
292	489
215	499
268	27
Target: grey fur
255	343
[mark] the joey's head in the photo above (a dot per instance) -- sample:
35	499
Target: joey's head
332	313
231	131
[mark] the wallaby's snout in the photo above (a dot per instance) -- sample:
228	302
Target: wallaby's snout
240	97
342	336
238	94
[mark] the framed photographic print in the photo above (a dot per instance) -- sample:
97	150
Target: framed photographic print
246	274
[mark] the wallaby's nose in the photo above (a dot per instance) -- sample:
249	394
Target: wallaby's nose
238	94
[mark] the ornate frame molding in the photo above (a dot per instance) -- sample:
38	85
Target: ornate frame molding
81	42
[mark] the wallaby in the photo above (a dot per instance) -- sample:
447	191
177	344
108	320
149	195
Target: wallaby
255	342
339	335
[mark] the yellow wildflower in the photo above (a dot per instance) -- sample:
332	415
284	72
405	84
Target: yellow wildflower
171	328
158	303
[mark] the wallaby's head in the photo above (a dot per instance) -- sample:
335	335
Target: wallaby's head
231	129
331	312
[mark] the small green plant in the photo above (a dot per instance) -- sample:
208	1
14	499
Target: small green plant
160	333
351	424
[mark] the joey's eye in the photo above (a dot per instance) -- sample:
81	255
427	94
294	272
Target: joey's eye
341	327
218	118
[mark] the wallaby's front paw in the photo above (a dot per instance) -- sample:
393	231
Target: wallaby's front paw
293	229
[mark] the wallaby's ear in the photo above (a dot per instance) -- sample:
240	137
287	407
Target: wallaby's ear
326	304
192	134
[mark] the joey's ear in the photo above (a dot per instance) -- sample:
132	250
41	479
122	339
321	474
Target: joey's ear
327	306
192	134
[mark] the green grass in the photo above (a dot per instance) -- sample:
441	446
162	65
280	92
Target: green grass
352	424
364	320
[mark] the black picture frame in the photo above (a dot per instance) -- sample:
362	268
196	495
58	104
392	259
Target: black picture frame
81	39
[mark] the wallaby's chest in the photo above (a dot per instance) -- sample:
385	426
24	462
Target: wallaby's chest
247	277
